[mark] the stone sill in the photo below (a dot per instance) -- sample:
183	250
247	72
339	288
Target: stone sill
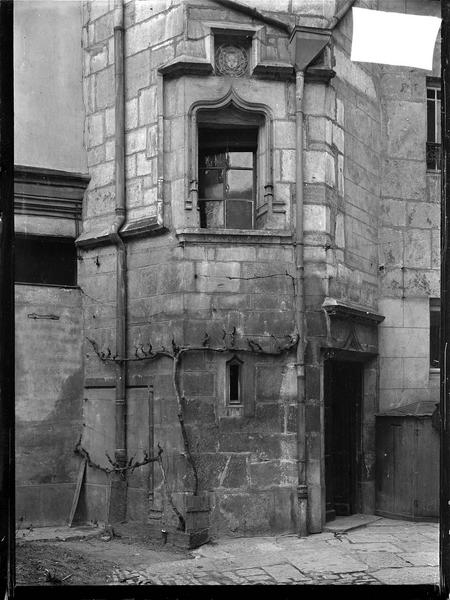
197	235
50	285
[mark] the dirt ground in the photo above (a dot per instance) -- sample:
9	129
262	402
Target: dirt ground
91	560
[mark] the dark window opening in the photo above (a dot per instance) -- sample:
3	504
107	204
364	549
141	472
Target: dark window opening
433	149
45	260
435	332
227	177
234	381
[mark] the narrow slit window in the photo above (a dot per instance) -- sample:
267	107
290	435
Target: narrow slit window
433	149
234	381
435	332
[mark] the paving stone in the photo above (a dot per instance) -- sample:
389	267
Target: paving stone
254	560
381	553
406	546
338	540
424	559
250	572
374	547
284	573
192	581
367	535
234	578
378	560
327	561
411	575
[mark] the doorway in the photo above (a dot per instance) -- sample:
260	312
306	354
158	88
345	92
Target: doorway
342	402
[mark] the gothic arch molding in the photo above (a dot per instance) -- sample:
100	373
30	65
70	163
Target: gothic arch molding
253	113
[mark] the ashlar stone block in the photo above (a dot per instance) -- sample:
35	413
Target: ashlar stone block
95	130
422	215
136	140
417	248
152	142
316	217
319	168
148	105
404	179
104	88
131	114
391	371
102	174
284	134
99	58
406	129
404	342
137	68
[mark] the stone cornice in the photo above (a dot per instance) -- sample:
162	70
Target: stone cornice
341	310
316	74
278	71
133	229
48	193
186	65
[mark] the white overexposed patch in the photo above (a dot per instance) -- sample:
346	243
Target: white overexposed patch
394	38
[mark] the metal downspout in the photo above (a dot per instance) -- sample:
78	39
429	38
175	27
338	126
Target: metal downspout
121	257
302	492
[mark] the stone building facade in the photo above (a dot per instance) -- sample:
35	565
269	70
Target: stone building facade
259	244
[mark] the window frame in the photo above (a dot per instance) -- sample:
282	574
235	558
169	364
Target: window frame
202	202
234	361
246	115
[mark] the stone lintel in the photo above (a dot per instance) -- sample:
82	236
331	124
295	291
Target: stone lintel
348	354
234	236
341	310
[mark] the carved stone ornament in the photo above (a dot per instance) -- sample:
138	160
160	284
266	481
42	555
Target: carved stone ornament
231	60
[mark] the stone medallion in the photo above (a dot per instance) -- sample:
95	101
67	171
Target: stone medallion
231	60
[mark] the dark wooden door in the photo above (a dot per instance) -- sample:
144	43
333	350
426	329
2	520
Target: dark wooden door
343	394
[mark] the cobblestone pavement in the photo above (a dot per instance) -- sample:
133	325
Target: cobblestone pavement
383	552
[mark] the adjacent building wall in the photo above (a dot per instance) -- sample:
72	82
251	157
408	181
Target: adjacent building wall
48	103
49	382
49	123
409	239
